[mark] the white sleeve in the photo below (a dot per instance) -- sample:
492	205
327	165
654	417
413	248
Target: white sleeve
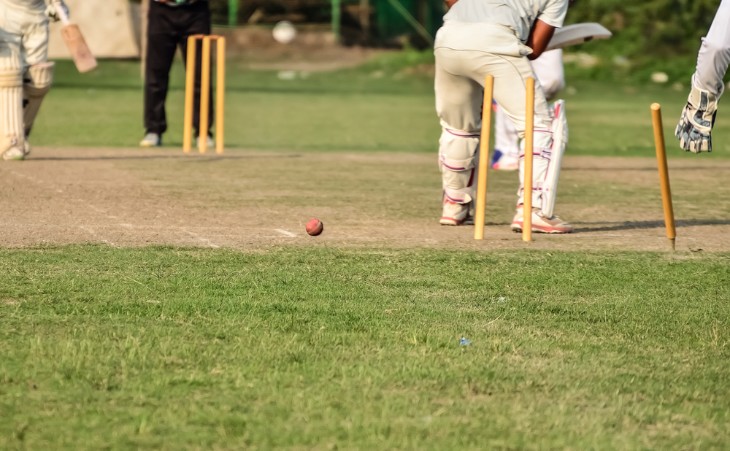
714	55
554	13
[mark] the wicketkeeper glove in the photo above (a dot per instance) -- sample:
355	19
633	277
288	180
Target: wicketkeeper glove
52	11
695	125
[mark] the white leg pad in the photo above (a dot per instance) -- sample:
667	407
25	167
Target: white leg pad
36	85
11	108
560	141
542	142
457	162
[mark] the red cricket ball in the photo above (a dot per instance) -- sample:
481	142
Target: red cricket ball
314	227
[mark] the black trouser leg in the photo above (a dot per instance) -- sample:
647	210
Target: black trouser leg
161	47
168	29
196	20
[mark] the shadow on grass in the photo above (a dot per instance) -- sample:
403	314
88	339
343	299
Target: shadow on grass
584	227
639	168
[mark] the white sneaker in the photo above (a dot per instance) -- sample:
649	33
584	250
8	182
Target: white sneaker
151	140
210	143
540	223
14	153
505	161
13	149
455	214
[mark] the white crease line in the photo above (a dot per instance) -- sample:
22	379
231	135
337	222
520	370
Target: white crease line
201	239
286	233
93	233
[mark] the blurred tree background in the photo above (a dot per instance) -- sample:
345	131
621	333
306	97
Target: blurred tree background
648	28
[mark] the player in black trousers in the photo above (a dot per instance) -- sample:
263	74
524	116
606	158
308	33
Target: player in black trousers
170	22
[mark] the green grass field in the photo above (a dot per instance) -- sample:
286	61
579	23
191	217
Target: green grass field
386	105
338	347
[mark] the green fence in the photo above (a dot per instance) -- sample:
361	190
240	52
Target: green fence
419	18
382	21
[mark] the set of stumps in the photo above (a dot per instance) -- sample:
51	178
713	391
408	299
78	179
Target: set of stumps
481	200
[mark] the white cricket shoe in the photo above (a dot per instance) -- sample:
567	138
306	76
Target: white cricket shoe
505	161
210	143
454	214
151	140
14	150
14	153
540	223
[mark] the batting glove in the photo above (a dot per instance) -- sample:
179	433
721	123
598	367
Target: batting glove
695	124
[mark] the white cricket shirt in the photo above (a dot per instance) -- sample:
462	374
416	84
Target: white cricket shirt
519	15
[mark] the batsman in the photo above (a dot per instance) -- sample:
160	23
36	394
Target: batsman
498	38
25	72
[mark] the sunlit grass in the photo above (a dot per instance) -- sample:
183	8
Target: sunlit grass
326	348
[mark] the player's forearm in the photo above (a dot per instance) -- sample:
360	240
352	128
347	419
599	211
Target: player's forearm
539	38
449	3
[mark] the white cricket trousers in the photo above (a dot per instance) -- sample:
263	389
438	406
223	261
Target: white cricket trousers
459	92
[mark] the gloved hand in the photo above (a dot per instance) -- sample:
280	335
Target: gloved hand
695	124
52	10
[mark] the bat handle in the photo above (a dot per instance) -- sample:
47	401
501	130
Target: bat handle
61	11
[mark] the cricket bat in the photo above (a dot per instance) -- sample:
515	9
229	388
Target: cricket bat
577	34
74	39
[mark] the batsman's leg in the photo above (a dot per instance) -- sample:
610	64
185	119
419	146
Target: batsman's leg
38	71
11	103
36	84
511	96
458	105
457	161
